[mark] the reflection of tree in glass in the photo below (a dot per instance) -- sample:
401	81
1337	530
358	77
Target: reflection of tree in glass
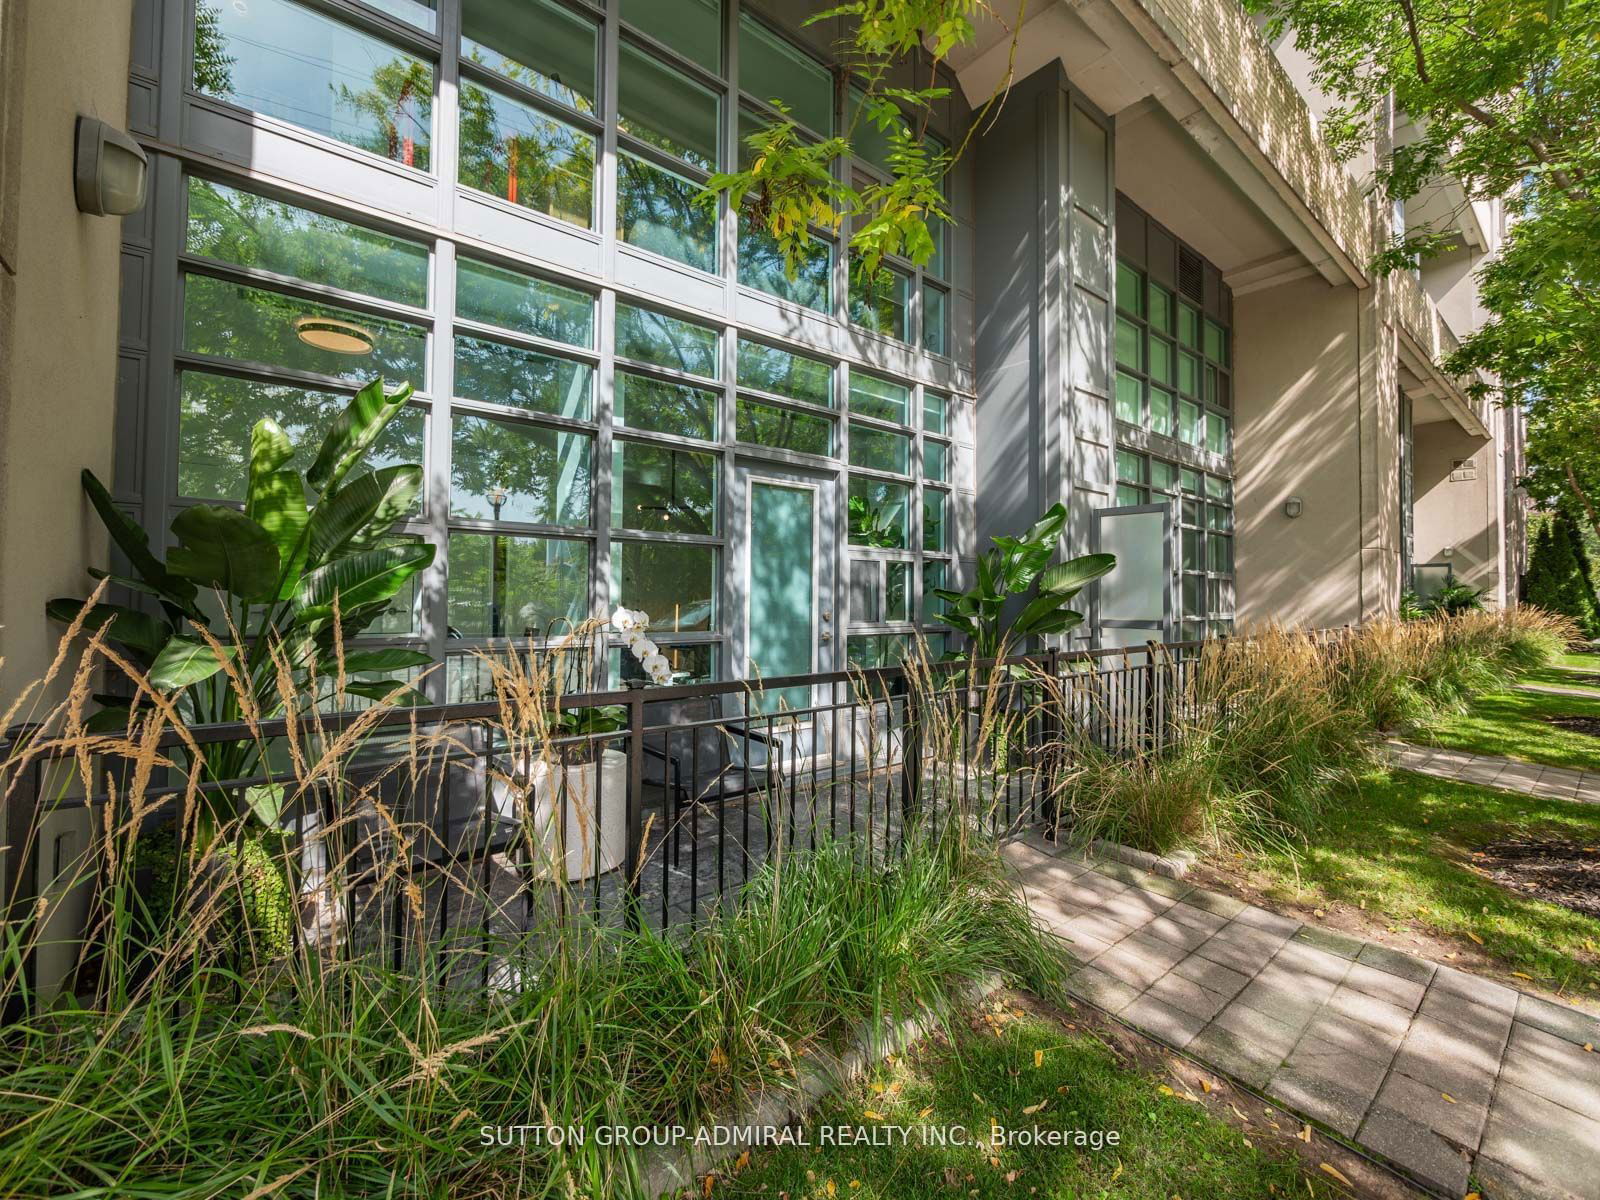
762	265
400	103
542	585
666	407
500	374
877	299
769	425
255	231
673	583
219	411
774	370
657	211
666	341
545	166
545	473
213	65
875	524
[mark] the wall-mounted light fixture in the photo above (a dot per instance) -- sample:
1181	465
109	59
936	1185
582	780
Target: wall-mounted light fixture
1292	507
109	170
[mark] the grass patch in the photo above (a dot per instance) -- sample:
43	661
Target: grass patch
1400	846
1511	725
1168	1146
1558	677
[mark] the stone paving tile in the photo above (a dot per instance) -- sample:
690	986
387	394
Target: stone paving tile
1173	889
1544	1141
1478	1023
1416	1149
1371	981
1261	918
1505	774
1288	1007
1395	963
1096	926
1188	996
1187	915
1235	1054
1309	963
1379	1015
1553	1068
1456	1120
1101	989
1326	1083
1137	965
1342	944
1476	988
1216	902
1176	932
1354	1036
1442	1058
1241	947
1213	976
1569	1023
1156	1017
1283	977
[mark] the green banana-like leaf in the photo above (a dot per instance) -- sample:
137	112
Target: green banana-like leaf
386	690
1060	621
221	547
111	719
134	543
278	504
134	629
1066	579
354	430
388	658
270	449
360	579
366	507
1035	614
266	800
185	661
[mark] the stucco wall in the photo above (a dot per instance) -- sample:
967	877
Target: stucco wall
1297	390
1458	514
58	321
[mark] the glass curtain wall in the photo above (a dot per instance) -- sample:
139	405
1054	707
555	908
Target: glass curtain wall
1174	407
578	434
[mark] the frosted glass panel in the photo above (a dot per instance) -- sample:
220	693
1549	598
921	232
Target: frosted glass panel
1091	261
1136	590
1090	172
782	587
1091	351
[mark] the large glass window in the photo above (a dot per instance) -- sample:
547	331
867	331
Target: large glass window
657	489
512	150
785	373
771	69
259	233
872	396
647	336
666	109
674	582
509	471
762	266
496	296
784	428
691	27
665	407
880	300
497	373
880	513
298	64
541	45
879	449
518	587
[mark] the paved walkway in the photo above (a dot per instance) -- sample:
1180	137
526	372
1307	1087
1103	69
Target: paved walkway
1507	774
1444	1074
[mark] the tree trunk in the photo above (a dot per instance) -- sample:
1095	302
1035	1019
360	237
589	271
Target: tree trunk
1583	499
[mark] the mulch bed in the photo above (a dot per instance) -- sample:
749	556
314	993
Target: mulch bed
1581	678
1564	873
1577	724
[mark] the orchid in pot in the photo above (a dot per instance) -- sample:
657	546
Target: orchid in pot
632	623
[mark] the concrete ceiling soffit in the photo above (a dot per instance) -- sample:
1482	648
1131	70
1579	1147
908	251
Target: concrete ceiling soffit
1430	389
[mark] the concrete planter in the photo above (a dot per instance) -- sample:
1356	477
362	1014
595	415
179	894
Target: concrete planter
582	790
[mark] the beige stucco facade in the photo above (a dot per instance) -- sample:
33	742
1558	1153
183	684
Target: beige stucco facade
58	312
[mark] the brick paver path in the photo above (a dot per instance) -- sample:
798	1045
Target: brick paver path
1442	1073
1507	774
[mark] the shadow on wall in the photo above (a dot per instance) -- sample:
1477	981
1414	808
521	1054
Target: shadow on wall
1296	434
1456	502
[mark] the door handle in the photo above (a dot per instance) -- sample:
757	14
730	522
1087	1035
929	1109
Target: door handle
825	636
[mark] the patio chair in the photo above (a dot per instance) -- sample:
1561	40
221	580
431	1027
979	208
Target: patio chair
694	755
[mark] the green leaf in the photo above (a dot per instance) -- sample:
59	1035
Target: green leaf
353	432
365	508
137	630
386	690
360	579
112	719
266	801
278	504
221	547
386	659
186	661
134	543
1066	579
270	448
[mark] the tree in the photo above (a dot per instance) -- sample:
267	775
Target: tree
786	184
1506	94
1556	579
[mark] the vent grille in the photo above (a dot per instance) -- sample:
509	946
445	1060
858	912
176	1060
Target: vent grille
1191	276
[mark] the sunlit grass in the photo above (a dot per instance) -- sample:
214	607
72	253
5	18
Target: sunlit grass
1400	845
1169	1147
1511	725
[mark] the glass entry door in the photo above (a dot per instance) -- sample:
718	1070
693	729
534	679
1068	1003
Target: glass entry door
784	579
1137	601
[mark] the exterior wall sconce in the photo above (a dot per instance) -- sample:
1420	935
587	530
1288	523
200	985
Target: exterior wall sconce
1292	507
109	170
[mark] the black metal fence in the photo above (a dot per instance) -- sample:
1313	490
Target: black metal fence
404	828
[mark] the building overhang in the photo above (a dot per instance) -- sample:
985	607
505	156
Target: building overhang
1434	395
1136	63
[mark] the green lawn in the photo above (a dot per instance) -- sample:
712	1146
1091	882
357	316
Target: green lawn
1582	662
1398	846
1508	724
1169	1146
1562	678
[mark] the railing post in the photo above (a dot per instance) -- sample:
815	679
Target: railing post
21	798
1053	729
635	802
910	751
1152	705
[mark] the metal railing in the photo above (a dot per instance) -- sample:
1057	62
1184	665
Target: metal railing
439	823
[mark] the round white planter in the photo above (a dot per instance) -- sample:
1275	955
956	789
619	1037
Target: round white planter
583	787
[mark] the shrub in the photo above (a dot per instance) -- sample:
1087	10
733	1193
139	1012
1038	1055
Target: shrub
1558	579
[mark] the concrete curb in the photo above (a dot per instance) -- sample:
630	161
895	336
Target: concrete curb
1174	866
723	1139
